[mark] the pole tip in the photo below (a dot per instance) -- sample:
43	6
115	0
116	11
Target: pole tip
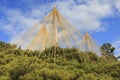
54	7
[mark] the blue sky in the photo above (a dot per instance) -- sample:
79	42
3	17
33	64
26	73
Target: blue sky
101	18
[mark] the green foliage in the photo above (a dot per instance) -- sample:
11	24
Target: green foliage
65	64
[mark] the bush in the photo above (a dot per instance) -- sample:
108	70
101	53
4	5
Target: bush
68	64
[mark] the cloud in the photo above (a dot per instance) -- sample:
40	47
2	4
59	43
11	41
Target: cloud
118	4
84	14
16	22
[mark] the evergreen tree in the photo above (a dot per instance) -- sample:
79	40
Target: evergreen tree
108	50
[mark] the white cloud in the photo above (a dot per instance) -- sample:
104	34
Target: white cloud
118	4
86	14
16	22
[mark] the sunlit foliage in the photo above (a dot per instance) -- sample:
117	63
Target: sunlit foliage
67	64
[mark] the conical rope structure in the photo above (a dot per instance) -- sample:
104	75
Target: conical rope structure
88	44
55	30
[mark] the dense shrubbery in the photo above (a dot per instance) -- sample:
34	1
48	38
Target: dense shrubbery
66	64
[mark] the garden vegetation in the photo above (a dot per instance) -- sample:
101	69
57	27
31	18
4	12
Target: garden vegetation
67	64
